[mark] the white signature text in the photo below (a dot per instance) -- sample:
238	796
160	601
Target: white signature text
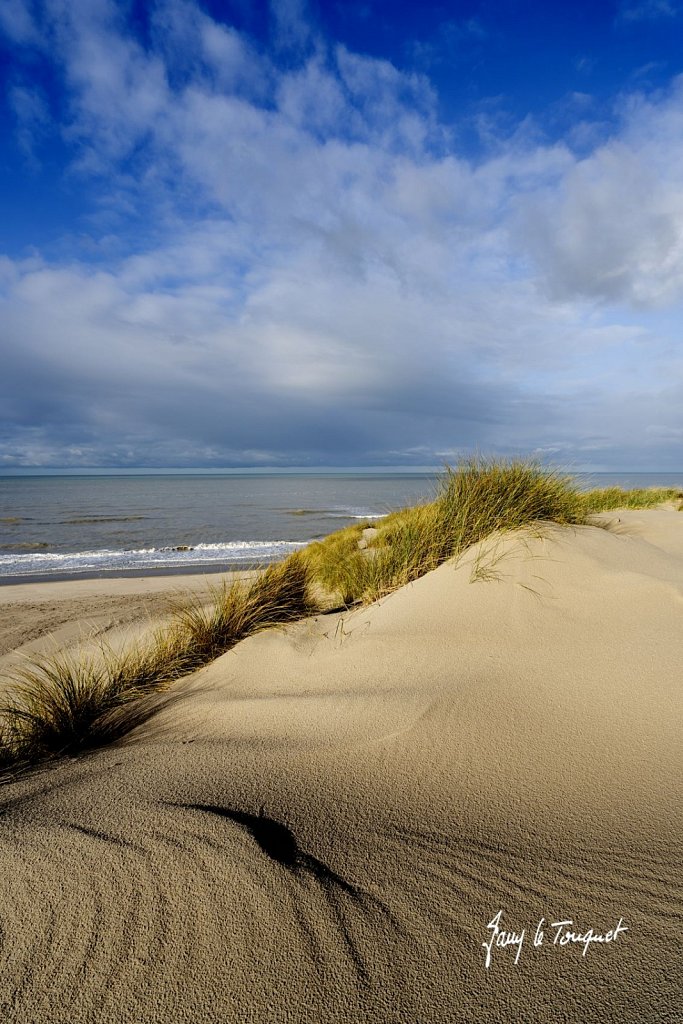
560	933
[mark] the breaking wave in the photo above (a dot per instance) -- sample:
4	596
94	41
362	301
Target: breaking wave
52	563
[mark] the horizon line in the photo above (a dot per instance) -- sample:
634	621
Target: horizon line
12	471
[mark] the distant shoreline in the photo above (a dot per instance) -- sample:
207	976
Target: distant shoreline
142	573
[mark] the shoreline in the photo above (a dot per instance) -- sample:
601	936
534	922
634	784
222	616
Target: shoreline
143	573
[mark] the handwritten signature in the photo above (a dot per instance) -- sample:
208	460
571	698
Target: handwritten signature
563	935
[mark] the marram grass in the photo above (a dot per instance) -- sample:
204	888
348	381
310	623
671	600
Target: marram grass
606	498
66	704
480	497
60	703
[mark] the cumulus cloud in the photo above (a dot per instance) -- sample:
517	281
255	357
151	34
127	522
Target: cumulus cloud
324	276
611	226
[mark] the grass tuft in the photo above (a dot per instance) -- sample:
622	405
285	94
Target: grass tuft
332	562
279	595
480	497
66	704
56	703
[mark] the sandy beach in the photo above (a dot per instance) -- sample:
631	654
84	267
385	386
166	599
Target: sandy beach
459	804
39	618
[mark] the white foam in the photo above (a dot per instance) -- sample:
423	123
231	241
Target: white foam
47	563
355	515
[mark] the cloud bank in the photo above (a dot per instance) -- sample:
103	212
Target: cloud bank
290	259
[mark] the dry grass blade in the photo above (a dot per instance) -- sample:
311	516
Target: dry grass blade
7	748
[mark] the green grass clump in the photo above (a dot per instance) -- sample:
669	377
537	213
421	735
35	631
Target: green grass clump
279	595
605	498
65	704
481	496
332	561
59	705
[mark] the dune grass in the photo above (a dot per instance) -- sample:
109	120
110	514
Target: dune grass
480	497
66	704
58	704
604	499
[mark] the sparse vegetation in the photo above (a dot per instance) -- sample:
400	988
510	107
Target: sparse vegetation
66	704
606	498
279	595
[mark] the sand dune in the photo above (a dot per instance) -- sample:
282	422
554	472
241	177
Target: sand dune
323	823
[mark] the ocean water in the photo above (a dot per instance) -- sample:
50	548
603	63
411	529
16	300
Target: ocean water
63	526
56	527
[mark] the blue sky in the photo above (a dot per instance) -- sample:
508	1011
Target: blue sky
290	233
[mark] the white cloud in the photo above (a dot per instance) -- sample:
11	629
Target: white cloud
328	274
32	116
611	226
291	23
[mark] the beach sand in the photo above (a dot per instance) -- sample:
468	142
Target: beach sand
39	618
321	825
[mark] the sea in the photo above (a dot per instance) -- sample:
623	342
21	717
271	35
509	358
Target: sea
55	527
